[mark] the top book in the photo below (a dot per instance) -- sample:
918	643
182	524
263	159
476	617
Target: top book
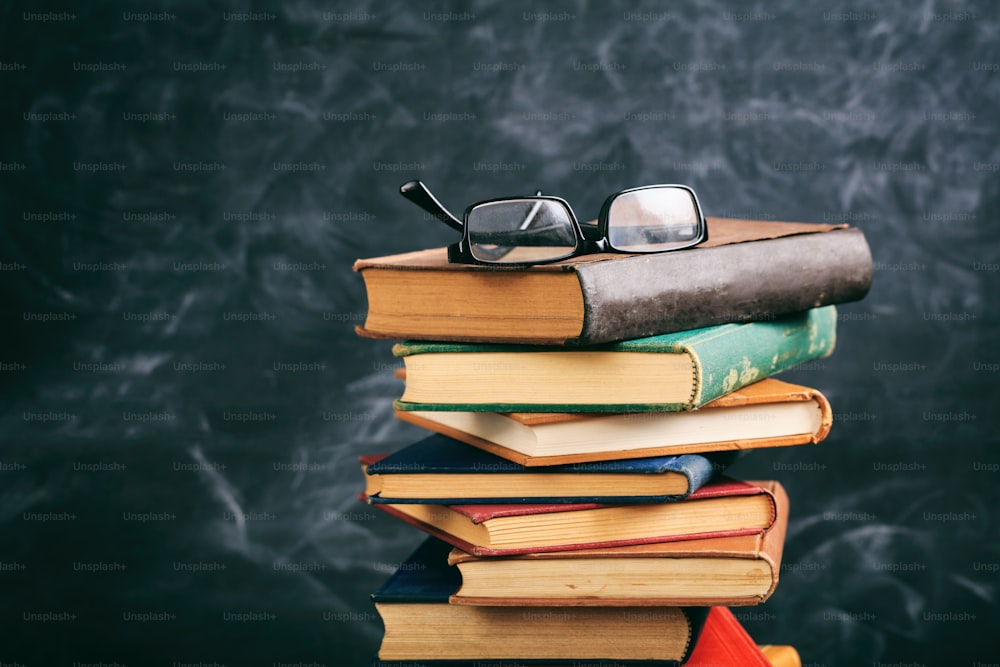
747	270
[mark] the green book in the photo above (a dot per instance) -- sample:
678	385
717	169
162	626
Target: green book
670	372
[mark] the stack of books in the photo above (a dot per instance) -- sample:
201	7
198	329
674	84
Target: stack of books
581	418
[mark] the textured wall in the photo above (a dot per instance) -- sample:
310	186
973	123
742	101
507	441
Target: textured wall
183	193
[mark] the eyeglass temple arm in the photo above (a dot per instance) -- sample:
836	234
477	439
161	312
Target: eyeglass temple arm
418	193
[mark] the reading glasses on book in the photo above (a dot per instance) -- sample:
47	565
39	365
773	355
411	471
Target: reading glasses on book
541	229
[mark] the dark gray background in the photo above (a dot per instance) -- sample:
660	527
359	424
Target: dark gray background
183	195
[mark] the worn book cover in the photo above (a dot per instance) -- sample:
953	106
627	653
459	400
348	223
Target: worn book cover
747	270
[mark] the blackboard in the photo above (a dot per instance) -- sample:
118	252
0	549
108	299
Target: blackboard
184	189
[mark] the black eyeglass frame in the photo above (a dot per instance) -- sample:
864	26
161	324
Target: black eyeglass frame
590	238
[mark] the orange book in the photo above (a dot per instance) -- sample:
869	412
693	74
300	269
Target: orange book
781	655
730	571
767	413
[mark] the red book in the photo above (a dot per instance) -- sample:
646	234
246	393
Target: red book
720	508
724	642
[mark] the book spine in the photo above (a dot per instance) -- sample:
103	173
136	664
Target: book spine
700	469
678	291
743	355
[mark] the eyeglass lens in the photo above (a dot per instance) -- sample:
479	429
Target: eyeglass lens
521	230
653	219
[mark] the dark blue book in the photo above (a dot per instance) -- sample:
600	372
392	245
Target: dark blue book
422	628
442	470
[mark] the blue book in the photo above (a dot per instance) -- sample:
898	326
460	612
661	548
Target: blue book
444	471
423	628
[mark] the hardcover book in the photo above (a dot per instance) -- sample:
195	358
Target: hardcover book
441	470
732	571
767	413
421	625
747	270
722	507
671	372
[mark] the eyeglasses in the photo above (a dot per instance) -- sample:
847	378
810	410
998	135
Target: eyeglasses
542	229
